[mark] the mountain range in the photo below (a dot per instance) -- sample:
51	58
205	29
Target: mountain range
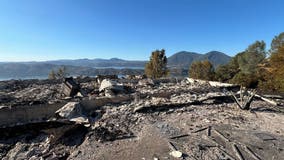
184	59
22	70
113	62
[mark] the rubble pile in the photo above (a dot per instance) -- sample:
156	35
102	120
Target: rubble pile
19	93
137	118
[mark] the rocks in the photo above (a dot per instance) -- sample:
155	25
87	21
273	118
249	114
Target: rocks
111	88
73	112
100	78
107	84
146	82
176	154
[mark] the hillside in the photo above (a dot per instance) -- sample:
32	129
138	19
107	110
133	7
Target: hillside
91	67
184	59
23	70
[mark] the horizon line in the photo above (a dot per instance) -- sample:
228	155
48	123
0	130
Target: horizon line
70	59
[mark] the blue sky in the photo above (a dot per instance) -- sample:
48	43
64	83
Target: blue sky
131	29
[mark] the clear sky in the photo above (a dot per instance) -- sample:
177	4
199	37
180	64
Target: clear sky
132	29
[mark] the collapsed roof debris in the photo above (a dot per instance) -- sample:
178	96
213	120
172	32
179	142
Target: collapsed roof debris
73	112
137	118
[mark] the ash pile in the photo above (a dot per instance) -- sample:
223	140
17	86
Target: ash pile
102	117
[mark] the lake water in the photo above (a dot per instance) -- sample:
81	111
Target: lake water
119	67
45	77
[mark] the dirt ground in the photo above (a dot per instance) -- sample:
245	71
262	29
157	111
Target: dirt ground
257	135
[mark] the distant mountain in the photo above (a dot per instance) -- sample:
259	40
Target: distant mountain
91	67
216	58
113	62
184	59
39	70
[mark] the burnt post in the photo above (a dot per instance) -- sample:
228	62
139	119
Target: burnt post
246	97
70	87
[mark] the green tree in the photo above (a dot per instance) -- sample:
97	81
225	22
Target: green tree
246	80
277	42
252	57
225	73
201	70
244	68
249	63
157	66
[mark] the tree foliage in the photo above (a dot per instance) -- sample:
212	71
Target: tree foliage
243	69
252	57
202	70
157	66
274	71
252	68
59	74
225	73
277	42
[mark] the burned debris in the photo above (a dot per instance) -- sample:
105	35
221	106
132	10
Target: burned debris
74	113
70	87
246	97
165	118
